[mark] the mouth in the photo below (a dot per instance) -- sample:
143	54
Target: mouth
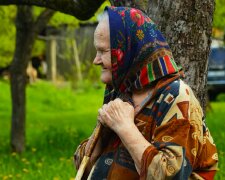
103	69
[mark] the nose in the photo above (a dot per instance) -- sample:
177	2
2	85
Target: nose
97	60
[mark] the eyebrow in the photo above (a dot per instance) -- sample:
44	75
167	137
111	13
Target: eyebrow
101	47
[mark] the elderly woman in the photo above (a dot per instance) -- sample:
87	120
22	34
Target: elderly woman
154	127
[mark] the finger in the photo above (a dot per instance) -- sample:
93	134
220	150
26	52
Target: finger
101	112
105	106
118	100
98	117
117	104
110	103
127	104
102	122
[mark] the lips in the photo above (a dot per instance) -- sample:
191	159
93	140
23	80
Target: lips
104	69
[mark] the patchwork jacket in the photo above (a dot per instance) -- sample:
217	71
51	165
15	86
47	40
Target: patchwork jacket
181	144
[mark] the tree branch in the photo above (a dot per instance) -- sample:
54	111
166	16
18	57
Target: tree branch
142	5
81	9
43	19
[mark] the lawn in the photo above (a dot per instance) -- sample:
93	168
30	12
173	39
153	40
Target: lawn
58	118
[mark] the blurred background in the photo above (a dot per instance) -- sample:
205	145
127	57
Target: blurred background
63	94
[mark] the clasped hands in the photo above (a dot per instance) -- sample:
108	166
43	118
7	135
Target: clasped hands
116	115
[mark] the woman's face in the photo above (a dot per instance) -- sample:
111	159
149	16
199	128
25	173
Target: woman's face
103	56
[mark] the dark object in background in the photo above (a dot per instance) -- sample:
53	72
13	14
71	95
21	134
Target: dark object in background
5	71
39	63
216	72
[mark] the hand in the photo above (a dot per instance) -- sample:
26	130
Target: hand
116	115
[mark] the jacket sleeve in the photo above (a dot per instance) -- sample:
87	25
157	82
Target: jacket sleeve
79	153
182	146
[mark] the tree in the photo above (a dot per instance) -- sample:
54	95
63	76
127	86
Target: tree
81	9
7	34
27	29
187	26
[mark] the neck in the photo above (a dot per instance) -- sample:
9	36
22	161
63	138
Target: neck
139	96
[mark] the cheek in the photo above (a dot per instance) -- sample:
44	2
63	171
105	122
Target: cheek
107	61
109	65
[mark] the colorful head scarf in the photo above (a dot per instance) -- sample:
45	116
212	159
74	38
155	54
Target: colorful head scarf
140	54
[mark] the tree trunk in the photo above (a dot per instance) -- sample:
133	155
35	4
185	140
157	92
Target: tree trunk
187	26
26	32
24	42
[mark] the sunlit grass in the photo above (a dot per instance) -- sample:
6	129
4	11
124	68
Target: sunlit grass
58	118
215	121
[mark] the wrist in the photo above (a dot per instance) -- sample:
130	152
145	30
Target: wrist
125	129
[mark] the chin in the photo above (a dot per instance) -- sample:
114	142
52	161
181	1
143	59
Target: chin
106	78
106	81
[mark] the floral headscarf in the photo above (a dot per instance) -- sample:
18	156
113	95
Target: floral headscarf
140	54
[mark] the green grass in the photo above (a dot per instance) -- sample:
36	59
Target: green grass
215	121
58	118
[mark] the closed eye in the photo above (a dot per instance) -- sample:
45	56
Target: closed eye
102	51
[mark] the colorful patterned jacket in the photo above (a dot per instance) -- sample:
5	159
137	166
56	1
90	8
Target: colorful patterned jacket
182	147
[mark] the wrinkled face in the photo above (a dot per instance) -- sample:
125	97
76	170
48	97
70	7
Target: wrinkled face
103	56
